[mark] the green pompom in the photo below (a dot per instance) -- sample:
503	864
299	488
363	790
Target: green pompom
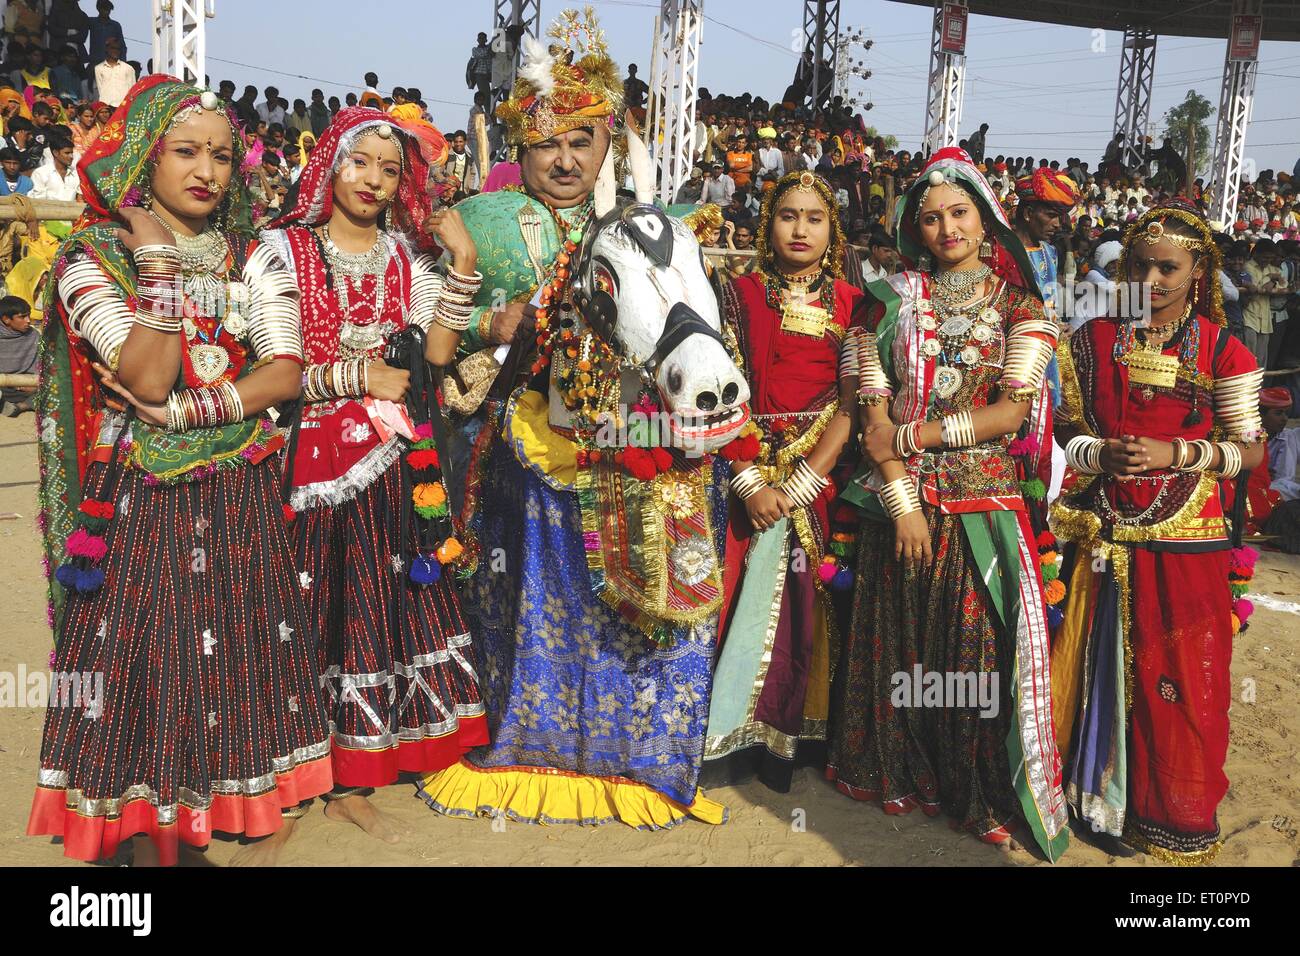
1033	489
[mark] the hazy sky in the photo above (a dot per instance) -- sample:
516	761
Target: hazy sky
1043	89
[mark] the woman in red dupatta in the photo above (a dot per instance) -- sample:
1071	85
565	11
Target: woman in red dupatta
1155	417
372	532
772	680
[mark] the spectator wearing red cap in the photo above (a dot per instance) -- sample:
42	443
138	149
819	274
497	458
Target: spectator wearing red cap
1283	443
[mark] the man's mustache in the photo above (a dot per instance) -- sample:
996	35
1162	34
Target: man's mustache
558	172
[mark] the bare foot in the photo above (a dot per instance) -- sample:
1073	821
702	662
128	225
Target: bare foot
266	851
144	853
357	809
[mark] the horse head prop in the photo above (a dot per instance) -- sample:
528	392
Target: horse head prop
641	287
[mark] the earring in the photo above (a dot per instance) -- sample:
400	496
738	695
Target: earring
223	216
146	193
986	248
826	259
924	262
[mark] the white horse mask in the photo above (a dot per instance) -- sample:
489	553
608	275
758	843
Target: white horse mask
641	286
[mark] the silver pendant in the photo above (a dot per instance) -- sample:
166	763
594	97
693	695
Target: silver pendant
970	355
927	323
990	316
947	380
360	338
982	333
930	348
957	325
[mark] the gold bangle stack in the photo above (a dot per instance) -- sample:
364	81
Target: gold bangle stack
899	498
204	407
1083	454
906	443
748	483
804	485
485	324
958	431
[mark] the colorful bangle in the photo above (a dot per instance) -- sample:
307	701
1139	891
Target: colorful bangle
905	441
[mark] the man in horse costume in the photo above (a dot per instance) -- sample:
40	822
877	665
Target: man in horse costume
594	502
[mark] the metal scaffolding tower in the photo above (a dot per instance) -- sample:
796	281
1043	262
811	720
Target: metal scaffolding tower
821	33
179	47
947	75
1240	65
1137	68
507	13
674	85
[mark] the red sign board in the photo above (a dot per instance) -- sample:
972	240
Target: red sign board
1243	44
953	38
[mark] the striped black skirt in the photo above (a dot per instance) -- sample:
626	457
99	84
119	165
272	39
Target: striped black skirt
197	706
396	659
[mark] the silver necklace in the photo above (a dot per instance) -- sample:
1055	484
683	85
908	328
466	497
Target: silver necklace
204	261
954	286
358	339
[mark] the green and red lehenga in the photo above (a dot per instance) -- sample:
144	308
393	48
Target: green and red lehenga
976	616
1140	665
771	685
171	572
978	609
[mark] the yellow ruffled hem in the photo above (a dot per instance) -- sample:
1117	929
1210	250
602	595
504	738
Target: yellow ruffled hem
551	797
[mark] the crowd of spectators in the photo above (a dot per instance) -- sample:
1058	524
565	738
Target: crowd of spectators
64	71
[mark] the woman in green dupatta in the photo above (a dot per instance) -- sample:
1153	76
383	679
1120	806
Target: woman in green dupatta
940	698
172	581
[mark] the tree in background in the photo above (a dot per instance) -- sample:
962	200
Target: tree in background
1192	111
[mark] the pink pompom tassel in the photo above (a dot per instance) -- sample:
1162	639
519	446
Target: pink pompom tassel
1243	609
81	544
826	571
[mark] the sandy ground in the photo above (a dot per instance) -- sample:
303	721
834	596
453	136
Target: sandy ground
812	825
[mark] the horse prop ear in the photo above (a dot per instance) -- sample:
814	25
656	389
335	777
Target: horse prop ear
603	196
638	160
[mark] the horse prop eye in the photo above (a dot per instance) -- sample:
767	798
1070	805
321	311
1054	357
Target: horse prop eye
602	280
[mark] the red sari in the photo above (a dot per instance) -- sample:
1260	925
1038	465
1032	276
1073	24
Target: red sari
778	601
1163	590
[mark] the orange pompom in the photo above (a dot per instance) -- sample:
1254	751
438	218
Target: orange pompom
1054	591
449	551
428	495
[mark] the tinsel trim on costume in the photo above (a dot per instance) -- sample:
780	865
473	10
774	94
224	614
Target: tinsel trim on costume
327	494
